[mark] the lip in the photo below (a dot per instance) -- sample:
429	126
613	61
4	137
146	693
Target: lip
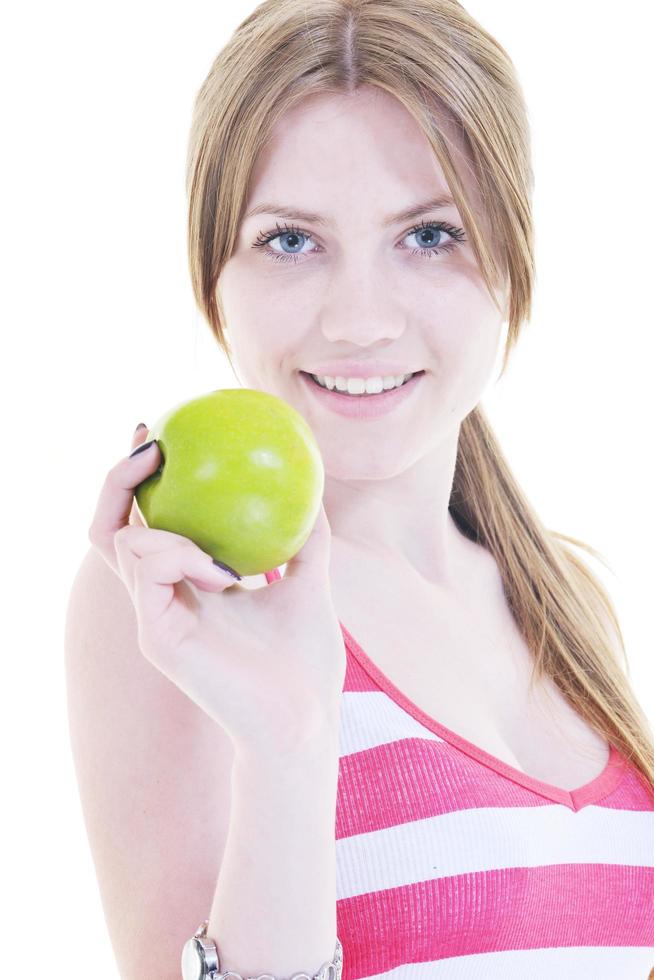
363	406
361	369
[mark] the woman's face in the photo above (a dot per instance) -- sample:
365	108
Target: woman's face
358	286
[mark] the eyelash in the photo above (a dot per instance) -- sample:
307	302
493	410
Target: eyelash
265	237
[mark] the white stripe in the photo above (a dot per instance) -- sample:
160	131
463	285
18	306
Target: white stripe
562	963
487	838
371	718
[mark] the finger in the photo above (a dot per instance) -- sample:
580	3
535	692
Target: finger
134	543
116	498
140	435
156	574
131	543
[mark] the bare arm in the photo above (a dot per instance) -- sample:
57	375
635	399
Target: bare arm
208	762
274	908
180	825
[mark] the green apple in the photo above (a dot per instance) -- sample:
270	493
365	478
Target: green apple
242	476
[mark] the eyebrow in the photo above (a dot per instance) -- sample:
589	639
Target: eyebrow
408	214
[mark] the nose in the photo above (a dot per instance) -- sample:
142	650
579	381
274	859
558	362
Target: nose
361	306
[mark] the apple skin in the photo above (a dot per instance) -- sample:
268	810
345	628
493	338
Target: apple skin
242	476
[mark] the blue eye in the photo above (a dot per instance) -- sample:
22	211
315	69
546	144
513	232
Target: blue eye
433	231
288	231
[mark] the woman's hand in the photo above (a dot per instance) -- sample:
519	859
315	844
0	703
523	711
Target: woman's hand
267	664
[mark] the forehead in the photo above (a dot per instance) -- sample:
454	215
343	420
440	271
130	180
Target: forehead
352	148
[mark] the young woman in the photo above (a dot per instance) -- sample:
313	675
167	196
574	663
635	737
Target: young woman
419	740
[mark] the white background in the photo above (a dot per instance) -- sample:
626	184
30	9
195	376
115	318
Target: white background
100	332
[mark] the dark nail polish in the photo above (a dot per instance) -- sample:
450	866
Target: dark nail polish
141	425
226	568
139	449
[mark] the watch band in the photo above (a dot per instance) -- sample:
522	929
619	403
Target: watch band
200	961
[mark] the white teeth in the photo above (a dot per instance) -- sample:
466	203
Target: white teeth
360	386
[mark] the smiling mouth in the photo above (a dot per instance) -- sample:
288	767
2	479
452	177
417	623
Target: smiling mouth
359	394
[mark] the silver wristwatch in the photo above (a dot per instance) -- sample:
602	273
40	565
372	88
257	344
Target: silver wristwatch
199	956
200	961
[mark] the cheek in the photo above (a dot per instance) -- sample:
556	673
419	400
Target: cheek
265	338
472	351
464	332
248	315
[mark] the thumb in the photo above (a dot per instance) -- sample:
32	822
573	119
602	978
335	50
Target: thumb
312	560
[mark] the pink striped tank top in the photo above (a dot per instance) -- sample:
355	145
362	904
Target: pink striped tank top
453	865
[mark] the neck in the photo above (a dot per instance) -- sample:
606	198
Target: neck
403	519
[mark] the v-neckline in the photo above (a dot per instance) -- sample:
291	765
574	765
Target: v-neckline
592	791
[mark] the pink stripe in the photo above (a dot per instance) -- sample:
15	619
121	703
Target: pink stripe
632	793
524	908
412	779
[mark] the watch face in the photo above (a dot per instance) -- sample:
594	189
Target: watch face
192	962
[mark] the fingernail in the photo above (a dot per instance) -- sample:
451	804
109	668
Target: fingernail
139	449
226	568
141	425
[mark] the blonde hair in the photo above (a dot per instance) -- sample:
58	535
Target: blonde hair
439	63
